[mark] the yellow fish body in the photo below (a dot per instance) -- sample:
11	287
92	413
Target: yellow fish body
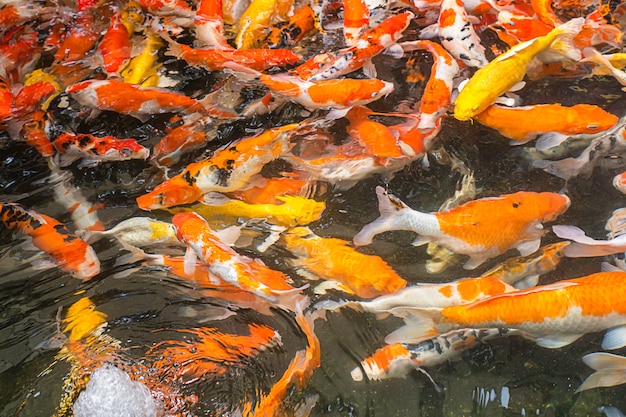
142	69
508	69
256	20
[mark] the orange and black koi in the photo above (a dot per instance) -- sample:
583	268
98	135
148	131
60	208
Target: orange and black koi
97	149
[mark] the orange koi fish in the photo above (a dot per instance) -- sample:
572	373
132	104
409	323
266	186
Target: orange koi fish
229	169
398	359
554	315
437	95
523	124
288	33
266	190
545	13
522	28
356	19
209	25
71	147
481	228
214	59
33	132
458	36
213	353
6	100
377	139
70	252
33	96
188	135
246	273
324	94
80	38
333	259
609	370
139	102
19	52
114	47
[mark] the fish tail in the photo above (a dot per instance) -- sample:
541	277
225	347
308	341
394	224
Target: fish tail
609	369
563	44
420	324
390	361
292	300
585	246
390	208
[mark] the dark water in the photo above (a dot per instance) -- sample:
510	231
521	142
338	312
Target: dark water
145	305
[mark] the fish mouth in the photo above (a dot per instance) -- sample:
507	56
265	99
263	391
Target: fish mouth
168	194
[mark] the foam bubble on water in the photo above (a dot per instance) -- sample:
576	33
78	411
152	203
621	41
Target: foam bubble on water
111	393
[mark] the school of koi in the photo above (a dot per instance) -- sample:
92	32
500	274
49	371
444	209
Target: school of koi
250	117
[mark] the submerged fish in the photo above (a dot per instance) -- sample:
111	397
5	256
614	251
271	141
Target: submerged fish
71	147
609	370
482	229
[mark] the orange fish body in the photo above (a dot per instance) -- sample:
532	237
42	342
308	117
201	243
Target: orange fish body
523	124
555	314
114	47
246	273
481	229
6	100
227	170
71	253
96	149
33	132
209	25
286	34
188	135
329	258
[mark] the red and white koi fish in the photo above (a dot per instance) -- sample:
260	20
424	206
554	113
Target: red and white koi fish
209	25
458	36
332	65
19	52
71	147
437	95
609	370
229	169
70	252
356	19
523	124
140	102
246	273
191	133
482	228
333	259
398	359
583	246
214	59
33	132
114	47
554	315
325	94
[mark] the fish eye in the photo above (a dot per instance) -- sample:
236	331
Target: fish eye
125	152
375	93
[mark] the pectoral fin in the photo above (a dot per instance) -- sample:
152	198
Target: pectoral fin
614	338
556	341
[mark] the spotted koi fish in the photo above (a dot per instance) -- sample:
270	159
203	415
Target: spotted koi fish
458	36
333	259
239	270
553	315
71	253
229	169
209	25
71	147
482	228
286	34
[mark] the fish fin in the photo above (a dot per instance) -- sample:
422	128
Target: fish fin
506	101
215	199
585	246
528	247
331	305
430	32
420	241
229	235
614	338
474	262
369	69
528	282
564	168
563	44
518	86
610	411
335	114
43	264
556	341
461	85
331	284
189	263
389	207
550	140
610	370
419	325
394	51
62	160
573	233
609	267
87	163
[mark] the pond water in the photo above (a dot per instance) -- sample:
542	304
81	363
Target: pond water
144	305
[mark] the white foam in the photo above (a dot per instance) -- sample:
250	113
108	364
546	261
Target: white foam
111	393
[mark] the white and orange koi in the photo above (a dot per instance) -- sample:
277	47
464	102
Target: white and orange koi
458	36
398	359
585	246
609	370
523	124
246	273
333	259
140	102
508	69
114	47
229	169
554	315
209	25
482	228
70	252
437	95
356	19
71	147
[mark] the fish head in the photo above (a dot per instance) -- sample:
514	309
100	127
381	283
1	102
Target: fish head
172	192
544	207
80	260
466	106
188	221
557	204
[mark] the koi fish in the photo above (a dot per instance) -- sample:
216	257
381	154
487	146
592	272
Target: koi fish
209	25
70	253
142	232
482	228
333	259
229	169
142	69
554	315
19	52
139	102
114	47
257	18
189	134
607	67
290	211
82	319
33	132
458	36
71	147
356	19
398	359
508	69
214	59
324	94
583	246
265	190
523	124
609	370
377	139
40	88
213	353
246	273
288	33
